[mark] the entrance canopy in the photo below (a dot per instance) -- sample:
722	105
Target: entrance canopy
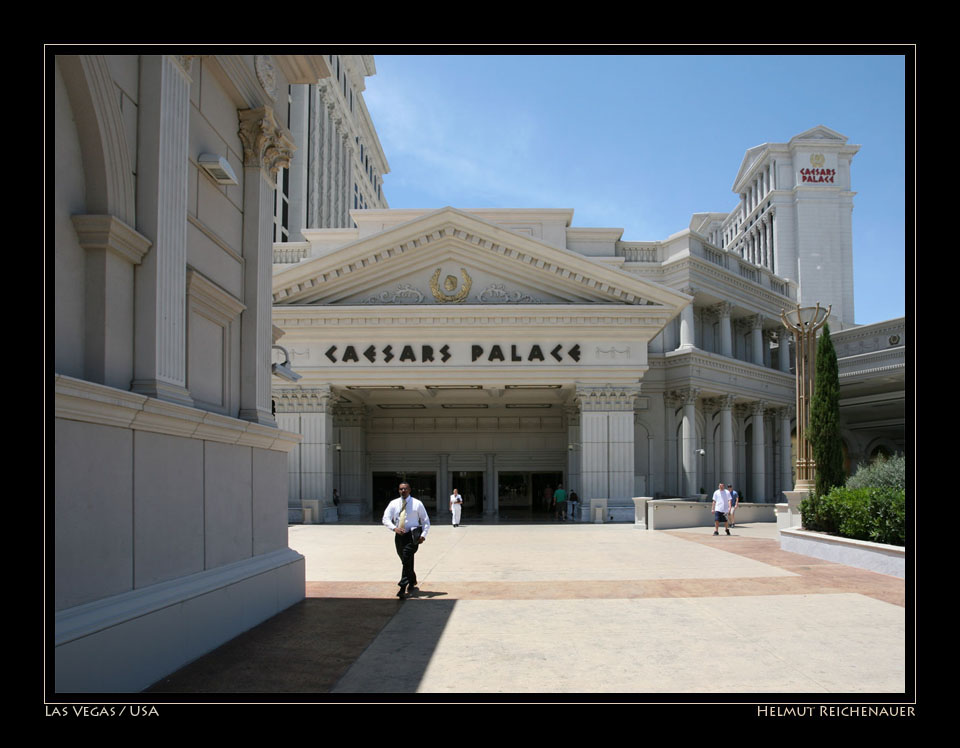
451	301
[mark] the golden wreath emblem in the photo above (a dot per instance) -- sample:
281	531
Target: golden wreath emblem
817	160
449	284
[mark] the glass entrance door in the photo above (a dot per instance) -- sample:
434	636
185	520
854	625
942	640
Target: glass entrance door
423	486
470	485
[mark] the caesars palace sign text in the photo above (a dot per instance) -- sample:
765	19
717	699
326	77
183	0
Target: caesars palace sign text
442	354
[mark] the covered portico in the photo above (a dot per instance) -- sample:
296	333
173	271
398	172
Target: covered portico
473	347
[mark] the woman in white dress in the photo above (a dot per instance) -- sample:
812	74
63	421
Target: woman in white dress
456	503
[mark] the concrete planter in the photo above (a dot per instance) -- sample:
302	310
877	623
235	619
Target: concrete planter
668	514
884	559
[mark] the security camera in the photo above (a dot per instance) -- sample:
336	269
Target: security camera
701	452
283	370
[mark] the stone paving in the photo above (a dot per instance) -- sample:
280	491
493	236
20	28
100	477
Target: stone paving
568	608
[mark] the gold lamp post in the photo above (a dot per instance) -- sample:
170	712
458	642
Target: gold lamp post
804	322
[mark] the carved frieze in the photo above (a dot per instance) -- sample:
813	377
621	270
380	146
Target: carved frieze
266	74
303	399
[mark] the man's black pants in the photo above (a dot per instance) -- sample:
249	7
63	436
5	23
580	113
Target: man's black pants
406	548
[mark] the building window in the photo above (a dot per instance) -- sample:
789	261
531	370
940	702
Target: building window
281	207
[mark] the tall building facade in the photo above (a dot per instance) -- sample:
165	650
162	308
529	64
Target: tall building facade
794	217
170	471
341	165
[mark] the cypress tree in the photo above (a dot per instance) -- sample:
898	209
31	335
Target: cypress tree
824	432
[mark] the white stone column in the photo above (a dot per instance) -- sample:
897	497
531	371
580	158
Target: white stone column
267	148
671	402
727	465
786	452
163	137
329	160
574	456
759	452
318	455
347	180
349	421
773	242
756	338
688	426
783	336
444	489
724	309
687	339
606	435
492	503
315	159
299	122
336	198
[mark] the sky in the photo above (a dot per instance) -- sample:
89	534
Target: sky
641	142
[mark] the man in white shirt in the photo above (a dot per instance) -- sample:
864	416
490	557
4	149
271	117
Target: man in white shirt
721	505
408	519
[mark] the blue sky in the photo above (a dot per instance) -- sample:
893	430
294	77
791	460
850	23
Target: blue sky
641	142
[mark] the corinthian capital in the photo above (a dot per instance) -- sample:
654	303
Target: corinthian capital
607	397
266	143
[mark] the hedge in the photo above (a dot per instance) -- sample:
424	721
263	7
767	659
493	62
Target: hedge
874	513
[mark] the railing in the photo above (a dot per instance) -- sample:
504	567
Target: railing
639	251
287	252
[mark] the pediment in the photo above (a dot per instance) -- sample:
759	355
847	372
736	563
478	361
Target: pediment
820	133
452	257
750	159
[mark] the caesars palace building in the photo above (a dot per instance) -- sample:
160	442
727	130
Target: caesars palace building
506	352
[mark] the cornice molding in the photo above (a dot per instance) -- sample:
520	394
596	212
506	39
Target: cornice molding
554	316
79	400
111	234
223	305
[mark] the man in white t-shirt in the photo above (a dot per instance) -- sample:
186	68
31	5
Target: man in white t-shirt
721	505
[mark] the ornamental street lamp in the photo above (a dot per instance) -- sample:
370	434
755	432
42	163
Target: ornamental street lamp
804	322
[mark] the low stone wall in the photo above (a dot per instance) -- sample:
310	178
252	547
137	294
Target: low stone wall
669	514
884	559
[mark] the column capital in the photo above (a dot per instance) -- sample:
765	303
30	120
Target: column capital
266	143
606	397
349	415
723	310
304	399
185	63
723	402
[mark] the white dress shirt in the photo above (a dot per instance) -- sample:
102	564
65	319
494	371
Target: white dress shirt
416	515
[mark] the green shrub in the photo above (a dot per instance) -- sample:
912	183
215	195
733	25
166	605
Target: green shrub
875	513
882	472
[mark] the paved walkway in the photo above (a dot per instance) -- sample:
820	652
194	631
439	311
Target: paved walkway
575	608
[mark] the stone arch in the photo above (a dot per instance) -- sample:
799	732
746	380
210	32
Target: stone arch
881	445
108	171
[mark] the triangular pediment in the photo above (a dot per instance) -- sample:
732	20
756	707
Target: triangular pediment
819	133
750	159
453	257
